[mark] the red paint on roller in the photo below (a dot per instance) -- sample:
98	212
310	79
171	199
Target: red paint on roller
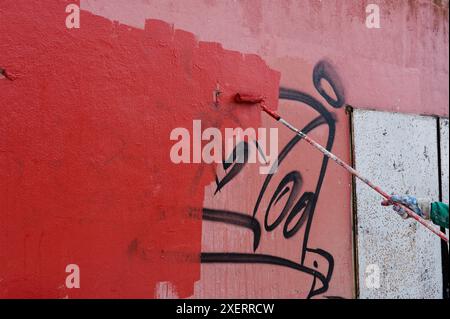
244	98
85	171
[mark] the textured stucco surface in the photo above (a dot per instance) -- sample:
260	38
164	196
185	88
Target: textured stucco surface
399	153
86	175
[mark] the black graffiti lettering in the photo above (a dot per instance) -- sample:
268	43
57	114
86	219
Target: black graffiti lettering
238	158
324	71
303	204
261	152
296	180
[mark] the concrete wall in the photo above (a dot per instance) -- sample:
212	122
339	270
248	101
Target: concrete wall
85	173
399	153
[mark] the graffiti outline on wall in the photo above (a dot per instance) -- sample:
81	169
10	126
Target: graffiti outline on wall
298	208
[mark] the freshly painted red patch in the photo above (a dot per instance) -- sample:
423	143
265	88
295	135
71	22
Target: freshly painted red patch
85	172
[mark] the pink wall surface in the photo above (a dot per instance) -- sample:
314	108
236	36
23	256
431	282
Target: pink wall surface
86	176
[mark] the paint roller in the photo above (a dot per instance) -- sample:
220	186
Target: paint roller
250	99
